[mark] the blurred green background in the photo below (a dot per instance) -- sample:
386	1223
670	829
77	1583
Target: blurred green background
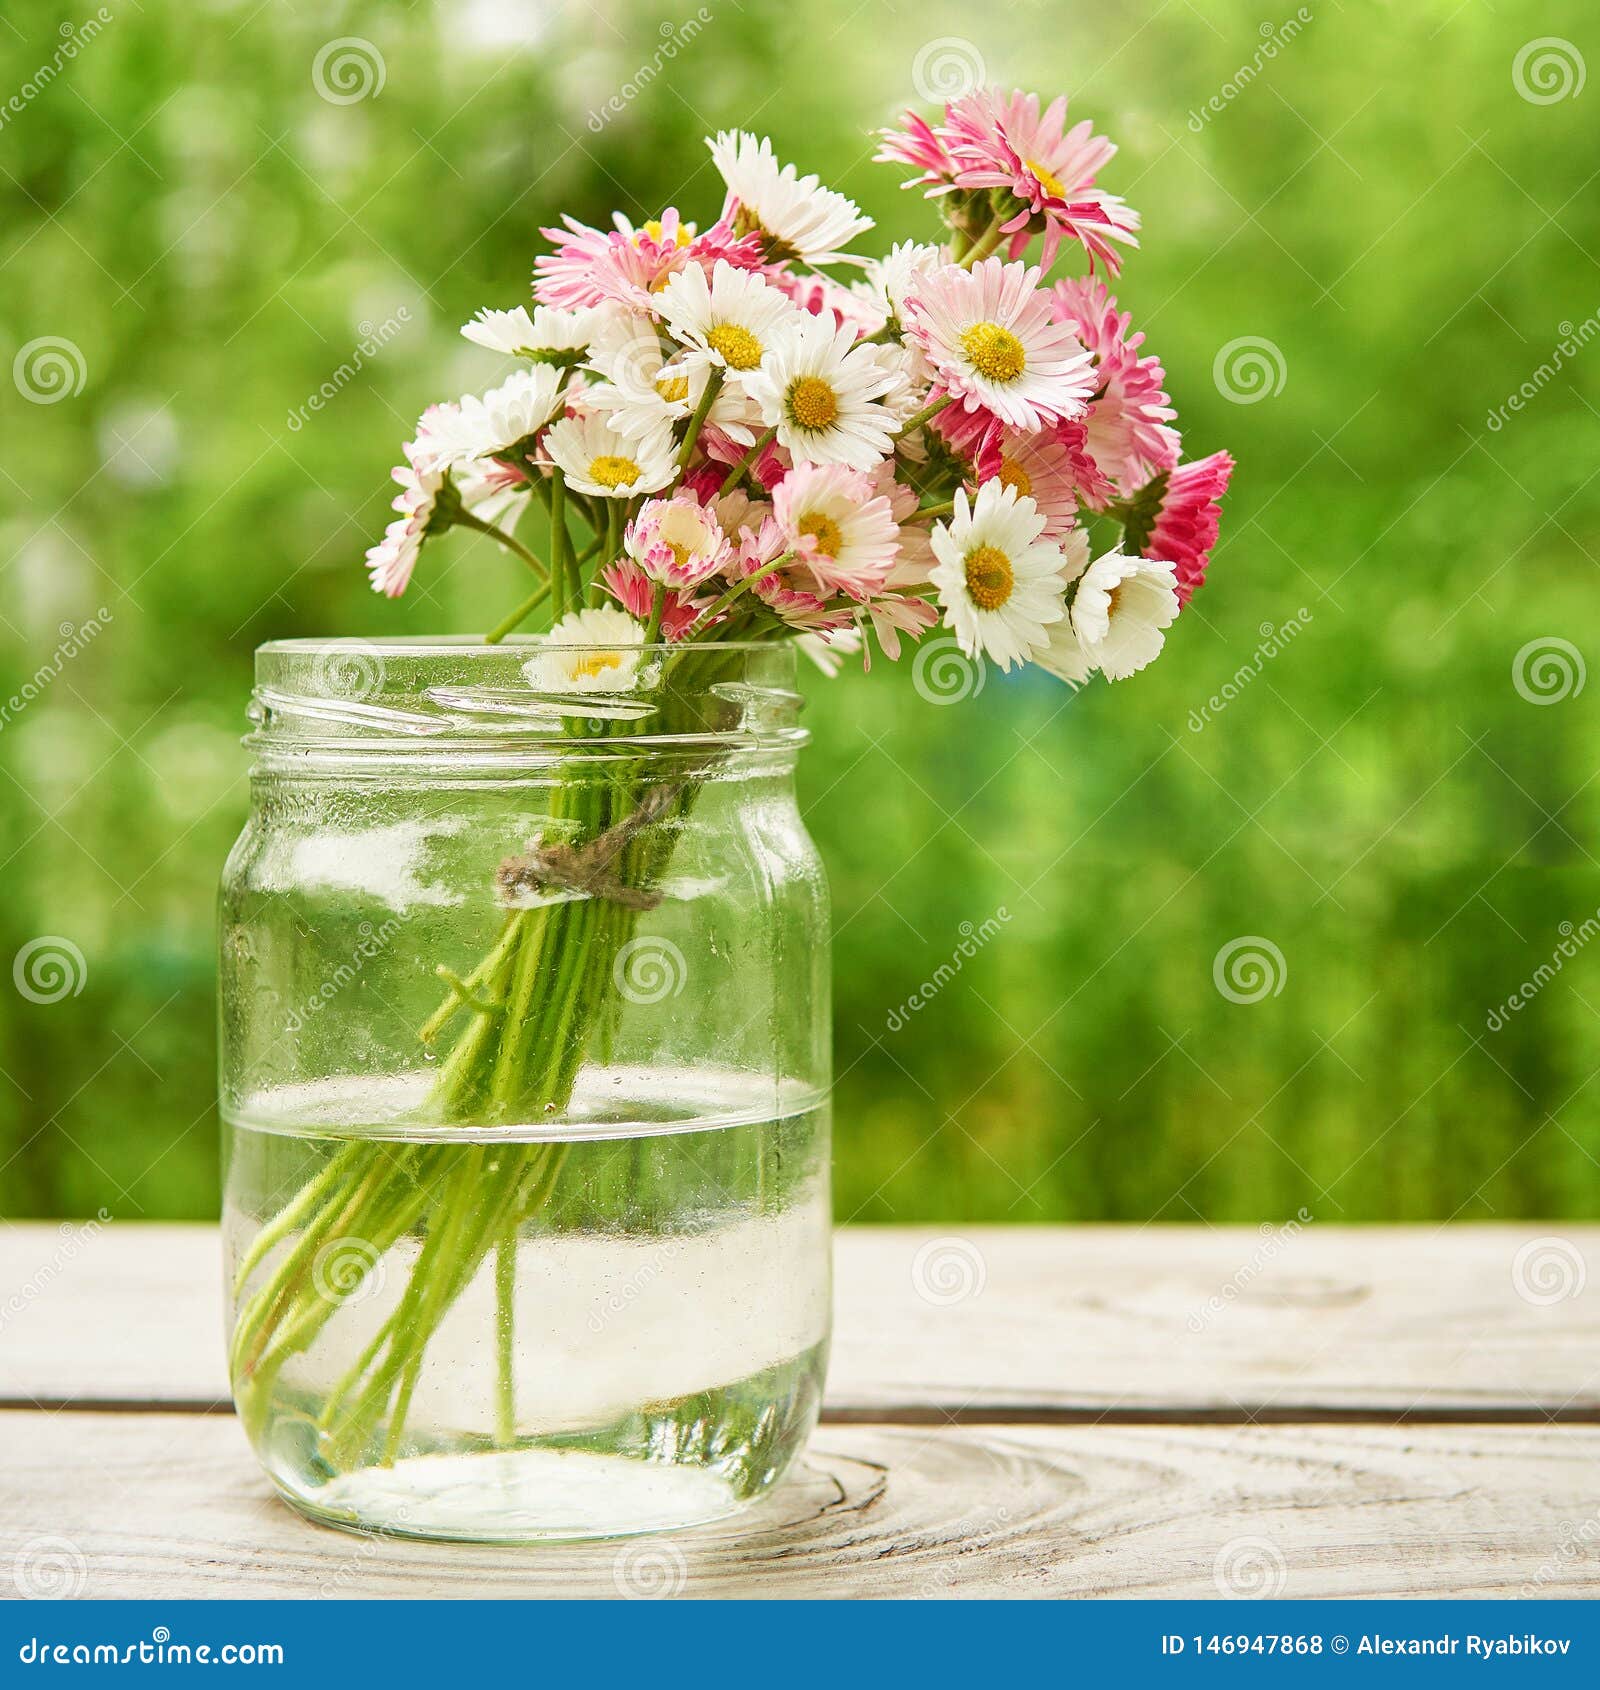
1395	208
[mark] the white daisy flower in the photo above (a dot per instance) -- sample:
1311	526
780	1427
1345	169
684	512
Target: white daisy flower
644	389
795	215
735	320
820	390
1000	586
1119	611
991	338
481	426
549	336
598	458
589	651
891	278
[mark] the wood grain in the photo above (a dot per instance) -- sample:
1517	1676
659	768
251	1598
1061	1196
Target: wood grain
1085	1322
173	1505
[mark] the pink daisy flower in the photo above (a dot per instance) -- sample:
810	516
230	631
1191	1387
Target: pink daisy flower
1127	420
1041	467
822	296
677	542
839	526
636	593
894	614
391	561
1049	170
1174	518
989	334
924	149
627	266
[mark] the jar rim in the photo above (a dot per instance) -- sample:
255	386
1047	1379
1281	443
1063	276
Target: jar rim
454	645
529	701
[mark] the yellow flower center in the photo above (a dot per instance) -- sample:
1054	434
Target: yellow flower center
1044	178
680	554
654	231
989	577
813	403
1012	474
1112	599
611	471
825	531
994	352
674	389
596	663
739	348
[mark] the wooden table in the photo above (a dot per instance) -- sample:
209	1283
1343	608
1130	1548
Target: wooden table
1029	1411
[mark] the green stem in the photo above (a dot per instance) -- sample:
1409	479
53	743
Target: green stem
558	547
983	246
714	379
505	1286
465	519
653	630
736	591
918	418
746	462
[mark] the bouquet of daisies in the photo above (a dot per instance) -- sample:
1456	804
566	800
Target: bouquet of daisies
733	433
724	440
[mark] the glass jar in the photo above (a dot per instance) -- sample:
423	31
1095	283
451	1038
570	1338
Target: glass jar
525	1068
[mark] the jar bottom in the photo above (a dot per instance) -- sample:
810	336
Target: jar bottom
522	1496
662	1468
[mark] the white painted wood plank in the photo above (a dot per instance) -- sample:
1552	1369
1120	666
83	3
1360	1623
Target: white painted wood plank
125	1505
1030	1319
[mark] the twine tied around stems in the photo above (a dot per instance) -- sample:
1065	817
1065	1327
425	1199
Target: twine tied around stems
586	869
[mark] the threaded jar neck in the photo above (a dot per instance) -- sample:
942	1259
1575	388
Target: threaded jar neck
446	706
